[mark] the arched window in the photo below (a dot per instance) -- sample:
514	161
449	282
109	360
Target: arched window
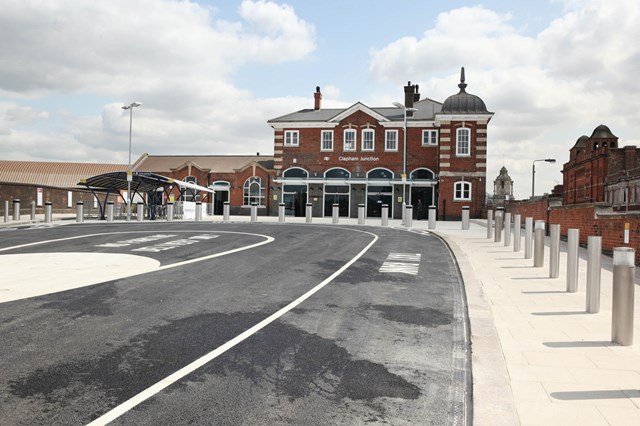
463	142
422	174
380	173
337	173
253	191
295	172
462	191
191	194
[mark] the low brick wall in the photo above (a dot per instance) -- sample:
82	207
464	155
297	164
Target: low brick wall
590	218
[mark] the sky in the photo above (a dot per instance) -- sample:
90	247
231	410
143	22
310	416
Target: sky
209	74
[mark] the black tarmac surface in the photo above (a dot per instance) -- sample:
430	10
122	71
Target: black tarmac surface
384	342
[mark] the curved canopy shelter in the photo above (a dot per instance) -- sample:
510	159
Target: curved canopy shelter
141	183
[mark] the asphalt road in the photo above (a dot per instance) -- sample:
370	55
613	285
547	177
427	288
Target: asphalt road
342	325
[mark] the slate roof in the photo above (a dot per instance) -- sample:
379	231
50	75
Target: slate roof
214	163
427	108
52	174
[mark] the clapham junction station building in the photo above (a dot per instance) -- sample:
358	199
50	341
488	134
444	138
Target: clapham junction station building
421	153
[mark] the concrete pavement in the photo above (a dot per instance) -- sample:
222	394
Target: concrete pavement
538	357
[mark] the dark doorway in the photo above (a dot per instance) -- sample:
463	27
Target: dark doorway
295	199
421	199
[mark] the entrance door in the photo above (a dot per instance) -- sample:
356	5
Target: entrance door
421	198
336	194
219	199
294	198
376	197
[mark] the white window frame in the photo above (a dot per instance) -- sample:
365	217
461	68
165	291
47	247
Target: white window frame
329	140
373	139
355	141
246	191
460	142
429	137
291	138
388	133
464	187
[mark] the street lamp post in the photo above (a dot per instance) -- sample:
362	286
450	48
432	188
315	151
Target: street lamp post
130	107
404	157
533	173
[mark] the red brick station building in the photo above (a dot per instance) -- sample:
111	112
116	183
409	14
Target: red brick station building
349	156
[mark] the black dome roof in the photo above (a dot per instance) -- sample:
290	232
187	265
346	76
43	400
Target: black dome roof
602	131
463	102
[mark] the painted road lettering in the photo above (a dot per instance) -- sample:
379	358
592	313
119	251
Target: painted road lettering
139	240
168	245
402	263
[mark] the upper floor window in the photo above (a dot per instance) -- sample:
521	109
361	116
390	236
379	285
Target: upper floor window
253	191
463	145
349	140
367	139
326	137
429	137
391	140
291	138
462	191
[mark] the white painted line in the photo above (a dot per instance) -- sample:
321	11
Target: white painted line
167	381
20	278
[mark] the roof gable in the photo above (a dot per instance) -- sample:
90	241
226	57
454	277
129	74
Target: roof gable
358	106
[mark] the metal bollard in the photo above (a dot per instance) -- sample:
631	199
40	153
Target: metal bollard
554	251
623	295
335	212
16	209
308	213
47	212
169	212
507	229
79	211
517	232
538	244
489	223
254	212
360	214
6	211
528	235
409	217
225	211
465	218
109	211
281	212
497	231
432	217
198	211
33	210
385	215
594	253
140	212
573	240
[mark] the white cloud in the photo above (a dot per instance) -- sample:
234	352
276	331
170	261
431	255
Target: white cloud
547	91
176	57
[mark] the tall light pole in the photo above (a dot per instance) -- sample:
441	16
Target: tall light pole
404	156
130	107
533	173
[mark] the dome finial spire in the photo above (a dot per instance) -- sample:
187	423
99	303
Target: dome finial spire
462	84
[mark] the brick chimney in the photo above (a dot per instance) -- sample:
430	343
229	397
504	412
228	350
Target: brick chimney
317	97
410	95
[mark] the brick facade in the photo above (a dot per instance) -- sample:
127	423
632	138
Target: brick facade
437	172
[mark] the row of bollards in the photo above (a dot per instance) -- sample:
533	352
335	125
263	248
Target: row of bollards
623	266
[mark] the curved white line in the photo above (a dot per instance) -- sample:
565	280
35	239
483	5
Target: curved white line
169	380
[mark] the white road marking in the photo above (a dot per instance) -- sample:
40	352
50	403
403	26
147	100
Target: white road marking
23	275
167	381
401	263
